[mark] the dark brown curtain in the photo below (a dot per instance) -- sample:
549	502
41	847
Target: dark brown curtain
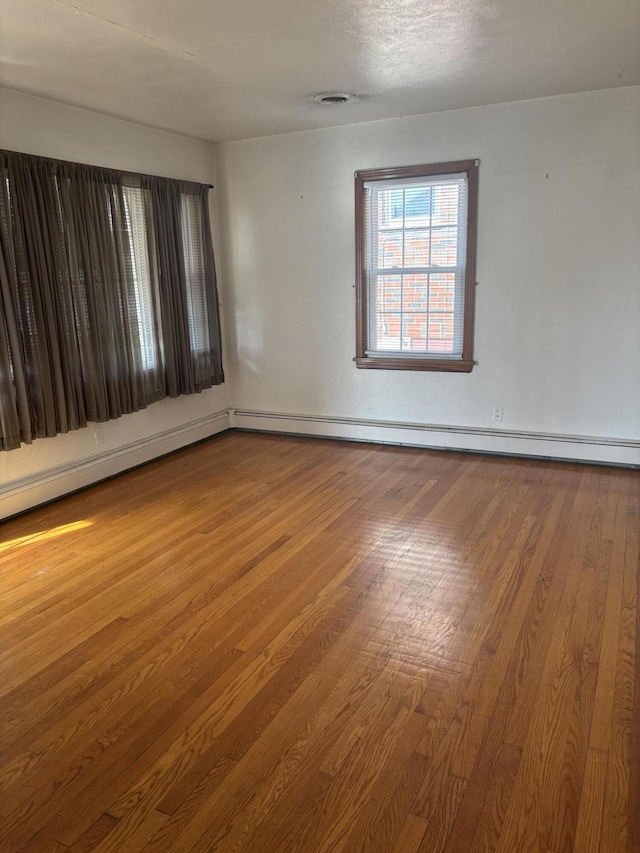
108	295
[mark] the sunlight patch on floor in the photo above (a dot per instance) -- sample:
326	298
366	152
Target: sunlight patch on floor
43	535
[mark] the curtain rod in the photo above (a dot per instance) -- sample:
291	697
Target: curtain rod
108	168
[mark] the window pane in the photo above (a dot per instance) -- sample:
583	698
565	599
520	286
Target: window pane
417	206
388	331
444	247
445	204
390	204
388	293
414	332
389	249
442	291
415	293
416	248
441	332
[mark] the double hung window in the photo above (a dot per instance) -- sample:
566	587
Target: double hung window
415	239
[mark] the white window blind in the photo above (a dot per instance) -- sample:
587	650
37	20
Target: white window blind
194	271
144	310
415	249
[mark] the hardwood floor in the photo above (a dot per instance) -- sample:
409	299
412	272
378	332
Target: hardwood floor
274	644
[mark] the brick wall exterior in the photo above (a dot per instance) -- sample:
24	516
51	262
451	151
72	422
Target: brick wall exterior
421	304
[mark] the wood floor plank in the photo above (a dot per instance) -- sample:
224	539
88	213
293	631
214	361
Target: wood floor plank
96	833
387	813
587	837
633	806
444	814
411	835
617	819
587	640
600	735
266	644
533	816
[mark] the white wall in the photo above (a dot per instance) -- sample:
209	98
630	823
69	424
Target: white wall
558	305
52	466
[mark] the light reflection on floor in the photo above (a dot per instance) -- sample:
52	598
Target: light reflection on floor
44	535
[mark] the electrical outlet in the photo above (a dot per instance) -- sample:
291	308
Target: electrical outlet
498	414
98	435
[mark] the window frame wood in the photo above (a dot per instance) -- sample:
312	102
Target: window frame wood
398	362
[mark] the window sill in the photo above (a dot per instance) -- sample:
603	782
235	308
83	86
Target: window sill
440	365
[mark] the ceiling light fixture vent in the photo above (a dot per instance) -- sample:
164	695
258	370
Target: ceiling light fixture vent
333	99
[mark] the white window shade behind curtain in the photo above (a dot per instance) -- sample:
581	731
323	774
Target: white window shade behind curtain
145	311
194	271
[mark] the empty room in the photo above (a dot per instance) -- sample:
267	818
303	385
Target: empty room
319	426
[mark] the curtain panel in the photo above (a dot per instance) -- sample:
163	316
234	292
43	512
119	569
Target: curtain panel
108	295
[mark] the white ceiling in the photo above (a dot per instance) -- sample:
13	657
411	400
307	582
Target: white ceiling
230	69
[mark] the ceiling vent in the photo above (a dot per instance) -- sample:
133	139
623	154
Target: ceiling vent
333	99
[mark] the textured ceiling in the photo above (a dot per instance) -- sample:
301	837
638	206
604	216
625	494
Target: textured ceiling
231	69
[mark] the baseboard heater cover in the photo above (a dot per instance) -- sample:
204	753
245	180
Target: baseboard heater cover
594	449
38	489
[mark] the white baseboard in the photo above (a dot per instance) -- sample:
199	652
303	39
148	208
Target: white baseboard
53	483
609	451
30	492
